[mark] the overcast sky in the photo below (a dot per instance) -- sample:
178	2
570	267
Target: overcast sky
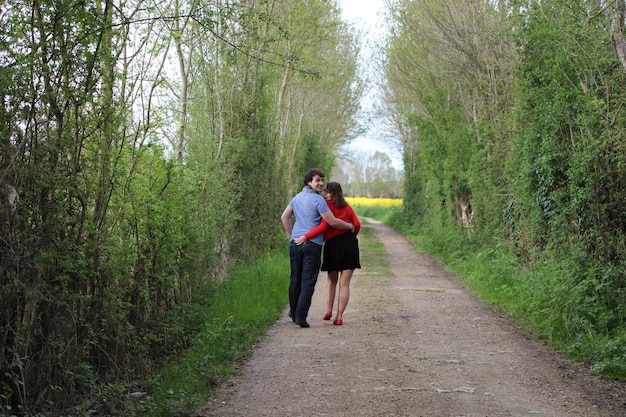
361	9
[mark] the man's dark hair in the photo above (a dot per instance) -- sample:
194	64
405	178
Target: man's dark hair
308	177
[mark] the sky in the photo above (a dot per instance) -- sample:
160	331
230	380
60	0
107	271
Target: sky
366	14
365	9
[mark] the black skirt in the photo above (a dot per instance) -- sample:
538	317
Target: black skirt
341	253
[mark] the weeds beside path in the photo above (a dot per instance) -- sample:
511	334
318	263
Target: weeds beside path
413	343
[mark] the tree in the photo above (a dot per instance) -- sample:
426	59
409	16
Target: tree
369	174
615	11
449	73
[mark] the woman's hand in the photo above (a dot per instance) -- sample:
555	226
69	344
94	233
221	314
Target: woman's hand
300	240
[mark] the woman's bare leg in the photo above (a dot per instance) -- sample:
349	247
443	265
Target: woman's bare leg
344	292
331	288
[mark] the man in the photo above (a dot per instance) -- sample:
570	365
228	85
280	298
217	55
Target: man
309	207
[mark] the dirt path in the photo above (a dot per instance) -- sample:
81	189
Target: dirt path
412	344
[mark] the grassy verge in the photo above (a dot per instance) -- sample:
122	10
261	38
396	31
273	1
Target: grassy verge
232	316
373	254
381	214
557	299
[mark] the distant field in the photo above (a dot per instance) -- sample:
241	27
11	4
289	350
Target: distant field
374	202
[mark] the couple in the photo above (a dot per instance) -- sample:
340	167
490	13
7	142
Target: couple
333	217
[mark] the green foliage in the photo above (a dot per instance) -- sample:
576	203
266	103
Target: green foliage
139	186
563	155
367	174
529	139
228	319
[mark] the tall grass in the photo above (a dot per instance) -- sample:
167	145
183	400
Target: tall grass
231	317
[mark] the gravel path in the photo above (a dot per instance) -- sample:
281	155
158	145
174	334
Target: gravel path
413	344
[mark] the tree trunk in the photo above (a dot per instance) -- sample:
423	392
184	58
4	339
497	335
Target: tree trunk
617	31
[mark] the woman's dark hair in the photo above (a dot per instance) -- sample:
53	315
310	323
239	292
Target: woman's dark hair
335	189
308	176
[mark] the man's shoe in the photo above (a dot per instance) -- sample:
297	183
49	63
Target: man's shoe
302	323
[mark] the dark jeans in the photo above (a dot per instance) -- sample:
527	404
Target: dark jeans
305	267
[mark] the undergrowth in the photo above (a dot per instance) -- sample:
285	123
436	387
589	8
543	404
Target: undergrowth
230	318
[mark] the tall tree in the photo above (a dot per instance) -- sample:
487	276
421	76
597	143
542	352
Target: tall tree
449	75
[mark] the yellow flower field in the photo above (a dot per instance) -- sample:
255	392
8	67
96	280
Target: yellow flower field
374	202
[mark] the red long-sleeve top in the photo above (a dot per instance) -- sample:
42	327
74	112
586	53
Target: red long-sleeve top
344	213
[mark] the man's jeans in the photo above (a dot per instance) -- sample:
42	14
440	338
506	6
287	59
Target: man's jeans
305	267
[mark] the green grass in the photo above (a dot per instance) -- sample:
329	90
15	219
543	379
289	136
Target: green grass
556	300
375	271
379	213
560	299
231	316
373	254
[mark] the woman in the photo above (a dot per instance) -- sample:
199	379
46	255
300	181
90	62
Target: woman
341	250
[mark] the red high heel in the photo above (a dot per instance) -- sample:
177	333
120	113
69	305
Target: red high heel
338	322
327	316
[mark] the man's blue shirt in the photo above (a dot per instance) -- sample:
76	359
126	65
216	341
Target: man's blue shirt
308	207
